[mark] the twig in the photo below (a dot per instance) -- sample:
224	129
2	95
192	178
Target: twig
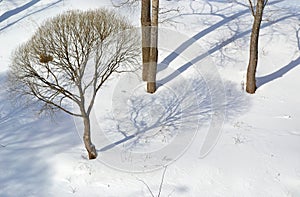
160	186
147	187
162	181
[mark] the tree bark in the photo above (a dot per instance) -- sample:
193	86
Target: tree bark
251	71
151	83
146	37
91	149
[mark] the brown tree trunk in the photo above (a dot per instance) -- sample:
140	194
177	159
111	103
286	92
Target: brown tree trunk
92	152
151	83
251	71
146	37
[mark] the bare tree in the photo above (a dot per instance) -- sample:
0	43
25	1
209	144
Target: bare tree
68	60
257	13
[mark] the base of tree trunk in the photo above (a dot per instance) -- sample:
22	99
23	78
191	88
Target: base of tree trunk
92	152
251	89
251	79
151	87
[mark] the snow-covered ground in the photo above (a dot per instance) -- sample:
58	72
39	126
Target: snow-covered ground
203	54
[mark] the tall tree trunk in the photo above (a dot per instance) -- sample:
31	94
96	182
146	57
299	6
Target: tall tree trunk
146	37
251	71
151	83
92	152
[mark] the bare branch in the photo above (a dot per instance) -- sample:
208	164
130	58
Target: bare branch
69	58
162	181
147	187
160	186
54	64
252	8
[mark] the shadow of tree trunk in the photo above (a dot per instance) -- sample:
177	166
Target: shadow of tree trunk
277	74
17	10
218	47
27	15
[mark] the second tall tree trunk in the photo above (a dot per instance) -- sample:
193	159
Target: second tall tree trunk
251	71
146	36
151	82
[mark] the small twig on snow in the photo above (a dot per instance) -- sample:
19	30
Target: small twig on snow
147	187
162	181
160	186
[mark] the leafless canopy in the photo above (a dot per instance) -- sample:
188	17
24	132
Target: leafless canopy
70	55
68	60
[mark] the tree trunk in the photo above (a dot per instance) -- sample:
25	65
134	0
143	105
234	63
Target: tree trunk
146	37
87	138
251	71
151	83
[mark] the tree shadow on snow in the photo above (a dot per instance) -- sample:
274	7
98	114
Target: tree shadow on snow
148	116
18	10
260	81
27	142
238	35
191	110
187	108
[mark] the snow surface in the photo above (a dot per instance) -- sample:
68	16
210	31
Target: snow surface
256	154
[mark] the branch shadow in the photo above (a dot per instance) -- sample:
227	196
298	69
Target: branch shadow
225	20
216	48
260	81
159	115
8	14
28	142
186	112
17	10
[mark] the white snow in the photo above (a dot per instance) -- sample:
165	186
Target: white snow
254	145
